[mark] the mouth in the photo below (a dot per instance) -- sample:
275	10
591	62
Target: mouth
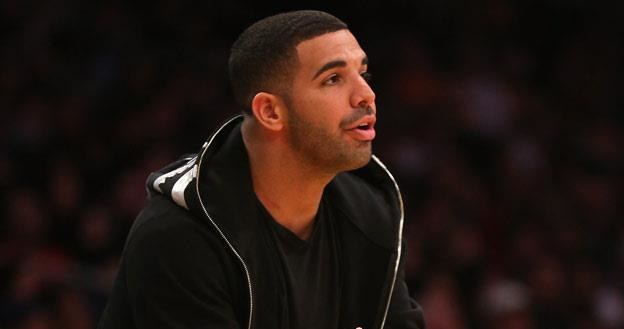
363	129
364	126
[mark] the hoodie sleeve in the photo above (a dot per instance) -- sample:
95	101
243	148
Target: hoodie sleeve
404	312
178	276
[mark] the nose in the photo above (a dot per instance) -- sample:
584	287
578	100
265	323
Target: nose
362	94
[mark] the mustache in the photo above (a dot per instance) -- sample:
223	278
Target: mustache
357	115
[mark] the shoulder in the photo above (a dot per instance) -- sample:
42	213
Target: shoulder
164	221
166	237
174	268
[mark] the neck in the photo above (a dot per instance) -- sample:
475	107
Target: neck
290	191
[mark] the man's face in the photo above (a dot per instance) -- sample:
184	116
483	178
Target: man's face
331	108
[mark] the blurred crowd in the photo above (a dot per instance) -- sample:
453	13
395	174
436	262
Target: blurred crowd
501	120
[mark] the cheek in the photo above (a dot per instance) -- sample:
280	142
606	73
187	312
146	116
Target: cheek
331	104
325	107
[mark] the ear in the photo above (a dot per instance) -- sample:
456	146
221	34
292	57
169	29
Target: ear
268	110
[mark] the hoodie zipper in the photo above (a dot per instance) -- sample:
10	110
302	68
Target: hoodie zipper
244	265
400	239
201	202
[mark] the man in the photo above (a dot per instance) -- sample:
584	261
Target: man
282	220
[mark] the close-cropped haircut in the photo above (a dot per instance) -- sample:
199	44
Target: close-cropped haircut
264	56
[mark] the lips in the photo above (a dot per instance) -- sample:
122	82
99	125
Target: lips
363	129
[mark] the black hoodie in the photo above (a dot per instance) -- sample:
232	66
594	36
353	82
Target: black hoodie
200	255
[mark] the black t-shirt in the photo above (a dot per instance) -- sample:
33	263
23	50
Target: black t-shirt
312	272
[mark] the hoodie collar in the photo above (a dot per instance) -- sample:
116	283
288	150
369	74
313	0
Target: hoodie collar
217	184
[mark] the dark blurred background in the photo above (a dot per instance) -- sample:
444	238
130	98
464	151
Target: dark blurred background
502	121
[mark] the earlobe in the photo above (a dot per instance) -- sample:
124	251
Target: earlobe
267	110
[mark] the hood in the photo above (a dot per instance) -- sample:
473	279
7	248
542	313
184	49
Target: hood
215	184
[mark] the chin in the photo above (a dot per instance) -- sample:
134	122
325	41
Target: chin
359	160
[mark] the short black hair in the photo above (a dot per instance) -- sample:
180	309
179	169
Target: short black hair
264	55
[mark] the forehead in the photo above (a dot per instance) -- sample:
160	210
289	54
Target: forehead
338	45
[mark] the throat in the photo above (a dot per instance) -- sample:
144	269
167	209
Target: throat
292	211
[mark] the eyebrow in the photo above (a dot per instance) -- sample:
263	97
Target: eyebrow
336	63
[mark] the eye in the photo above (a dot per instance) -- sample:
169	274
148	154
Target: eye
367	76
332	80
